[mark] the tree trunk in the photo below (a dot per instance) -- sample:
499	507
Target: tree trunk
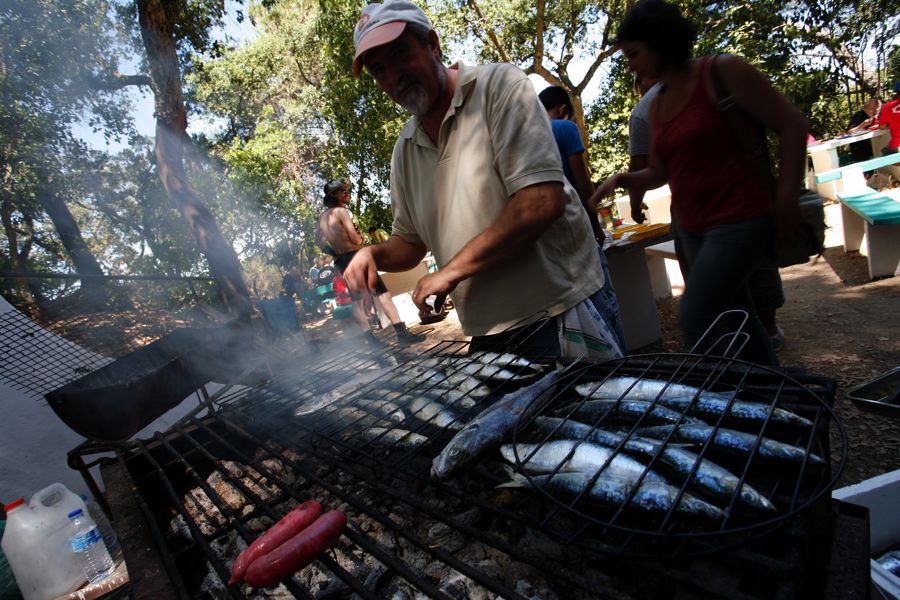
18	261
99	294
157	20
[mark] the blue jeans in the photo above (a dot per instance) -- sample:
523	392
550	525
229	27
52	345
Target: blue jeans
720	261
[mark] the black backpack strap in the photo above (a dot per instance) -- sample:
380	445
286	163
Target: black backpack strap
743	126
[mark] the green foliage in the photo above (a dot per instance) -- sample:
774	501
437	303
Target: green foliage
56	58
607	120
289	115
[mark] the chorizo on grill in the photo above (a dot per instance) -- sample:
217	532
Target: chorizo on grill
290	525
297	552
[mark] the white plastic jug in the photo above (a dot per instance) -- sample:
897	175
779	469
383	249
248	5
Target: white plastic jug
36	544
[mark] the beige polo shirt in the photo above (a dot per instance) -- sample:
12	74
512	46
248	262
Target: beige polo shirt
495	140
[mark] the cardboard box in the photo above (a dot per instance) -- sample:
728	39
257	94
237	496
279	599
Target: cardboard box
881	495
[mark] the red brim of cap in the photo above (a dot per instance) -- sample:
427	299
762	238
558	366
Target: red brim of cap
377	36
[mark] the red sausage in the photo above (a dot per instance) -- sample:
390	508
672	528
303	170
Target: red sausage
290	525
297	552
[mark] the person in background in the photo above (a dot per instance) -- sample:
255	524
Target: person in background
293	283
727	212
639	145
318	263
338	231
765	286
558	105
863	119
377	235
476	178
890	119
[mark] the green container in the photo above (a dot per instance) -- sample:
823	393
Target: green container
8	588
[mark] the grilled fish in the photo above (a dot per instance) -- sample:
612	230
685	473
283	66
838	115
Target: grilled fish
449	398
709	478
378	409
679	396
400	438
491	426
740	411
481	370
433	413
506	360
634	388
731	441
573	456
653	495
625	410
433	379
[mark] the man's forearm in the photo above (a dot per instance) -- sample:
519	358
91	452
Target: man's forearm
526	216
396	254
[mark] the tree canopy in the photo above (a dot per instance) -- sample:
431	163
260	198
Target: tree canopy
287	115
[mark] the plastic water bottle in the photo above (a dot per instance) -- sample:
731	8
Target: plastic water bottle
110	539
88	545
36	544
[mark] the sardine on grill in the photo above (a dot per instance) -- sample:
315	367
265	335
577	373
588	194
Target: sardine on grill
731	441
708	478
630	411
681	397
400	438
652	495
492	426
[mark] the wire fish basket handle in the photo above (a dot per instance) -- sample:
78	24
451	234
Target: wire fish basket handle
725	337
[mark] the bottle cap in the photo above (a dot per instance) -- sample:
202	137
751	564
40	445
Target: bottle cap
13	505
75	513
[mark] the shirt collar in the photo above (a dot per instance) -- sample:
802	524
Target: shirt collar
464	84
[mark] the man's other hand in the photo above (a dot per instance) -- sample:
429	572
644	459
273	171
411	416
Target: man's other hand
437	284
362	272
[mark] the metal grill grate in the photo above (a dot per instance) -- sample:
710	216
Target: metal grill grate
37	361
218	479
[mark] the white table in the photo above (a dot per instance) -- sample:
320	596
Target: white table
825	157
637	280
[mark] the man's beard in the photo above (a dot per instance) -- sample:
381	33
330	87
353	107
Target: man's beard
415	99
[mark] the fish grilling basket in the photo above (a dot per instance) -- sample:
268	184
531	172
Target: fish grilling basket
645	456
675	454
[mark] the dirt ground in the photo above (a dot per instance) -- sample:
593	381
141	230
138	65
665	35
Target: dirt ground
837	323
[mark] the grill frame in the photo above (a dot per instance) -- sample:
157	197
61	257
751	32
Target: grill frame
385	474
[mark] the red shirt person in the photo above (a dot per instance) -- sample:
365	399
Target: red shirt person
890	119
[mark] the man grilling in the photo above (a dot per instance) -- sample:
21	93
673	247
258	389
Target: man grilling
338	235
477	179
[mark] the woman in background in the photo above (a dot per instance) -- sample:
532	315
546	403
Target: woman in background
727	210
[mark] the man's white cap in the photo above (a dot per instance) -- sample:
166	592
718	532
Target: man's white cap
383	23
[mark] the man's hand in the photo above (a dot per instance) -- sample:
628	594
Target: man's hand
438	284
362	272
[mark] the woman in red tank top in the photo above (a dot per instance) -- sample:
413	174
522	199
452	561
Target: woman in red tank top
726	214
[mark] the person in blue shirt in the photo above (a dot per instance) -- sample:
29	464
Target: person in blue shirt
558	105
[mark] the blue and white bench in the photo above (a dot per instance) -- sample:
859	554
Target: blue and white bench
871	219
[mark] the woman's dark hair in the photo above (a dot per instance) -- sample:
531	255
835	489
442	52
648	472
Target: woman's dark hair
662	27
553	96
